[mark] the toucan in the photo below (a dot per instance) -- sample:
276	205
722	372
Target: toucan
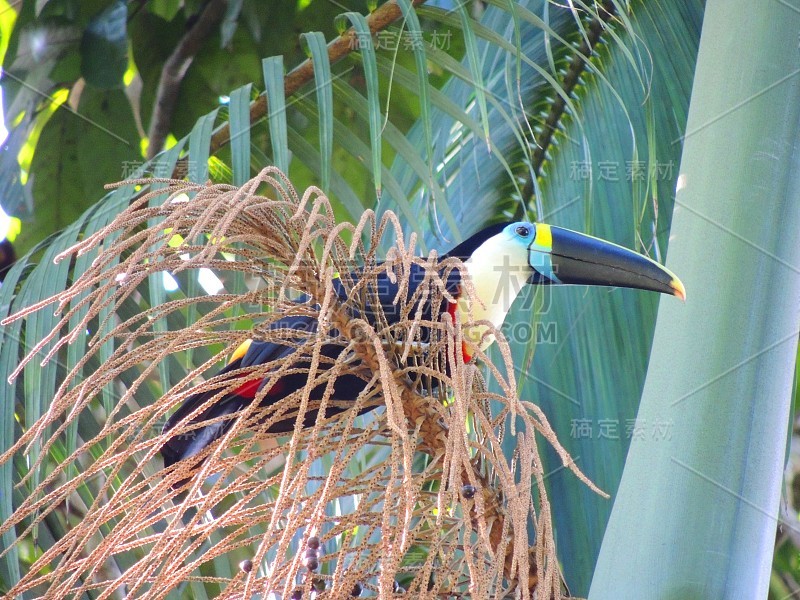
498	261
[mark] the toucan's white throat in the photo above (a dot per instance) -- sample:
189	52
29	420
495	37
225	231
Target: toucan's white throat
498	271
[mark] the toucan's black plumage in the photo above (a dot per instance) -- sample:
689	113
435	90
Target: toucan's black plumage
498	260
253	352
7	258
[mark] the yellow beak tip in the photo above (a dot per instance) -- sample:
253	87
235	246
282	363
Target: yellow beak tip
677	289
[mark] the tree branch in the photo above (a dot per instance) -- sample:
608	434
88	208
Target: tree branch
174	70
338	48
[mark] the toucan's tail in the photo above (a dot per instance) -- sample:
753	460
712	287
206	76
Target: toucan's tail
195	435
190	443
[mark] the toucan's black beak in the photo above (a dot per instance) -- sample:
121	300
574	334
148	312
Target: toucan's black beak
581	259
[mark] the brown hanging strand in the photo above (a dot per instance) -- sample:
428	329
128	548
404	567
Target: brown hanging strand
419	493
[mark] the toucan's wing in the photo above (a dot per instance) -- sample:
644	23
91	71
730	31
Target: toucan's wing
386	290
383	288
249	354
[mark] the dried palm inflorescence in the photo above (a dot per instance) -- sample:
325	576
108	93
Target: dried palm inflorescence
418	495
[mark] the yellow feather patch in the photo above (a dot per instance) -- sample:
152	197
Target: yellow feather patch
240	351
544	237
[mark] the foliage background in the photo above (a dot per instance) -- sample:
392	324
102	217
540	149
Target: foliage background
513	119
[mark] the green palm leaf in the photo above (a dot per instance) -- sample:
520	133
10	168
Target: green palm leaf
704	500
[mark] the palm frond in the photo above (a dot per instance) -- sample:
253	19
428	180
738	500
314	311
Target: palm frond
704	495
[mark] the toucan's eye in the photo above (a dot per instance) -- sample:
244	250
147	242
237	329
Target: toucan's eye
523	231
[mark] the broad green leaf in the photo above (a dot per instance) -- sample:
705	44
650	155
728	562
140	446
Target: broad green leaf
276	103
411	22
166	9
152	40
239	108
367	51
9	354
7	18
229	22
475	67
611	179
67	165
701	505
104	47
199	141
323	86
